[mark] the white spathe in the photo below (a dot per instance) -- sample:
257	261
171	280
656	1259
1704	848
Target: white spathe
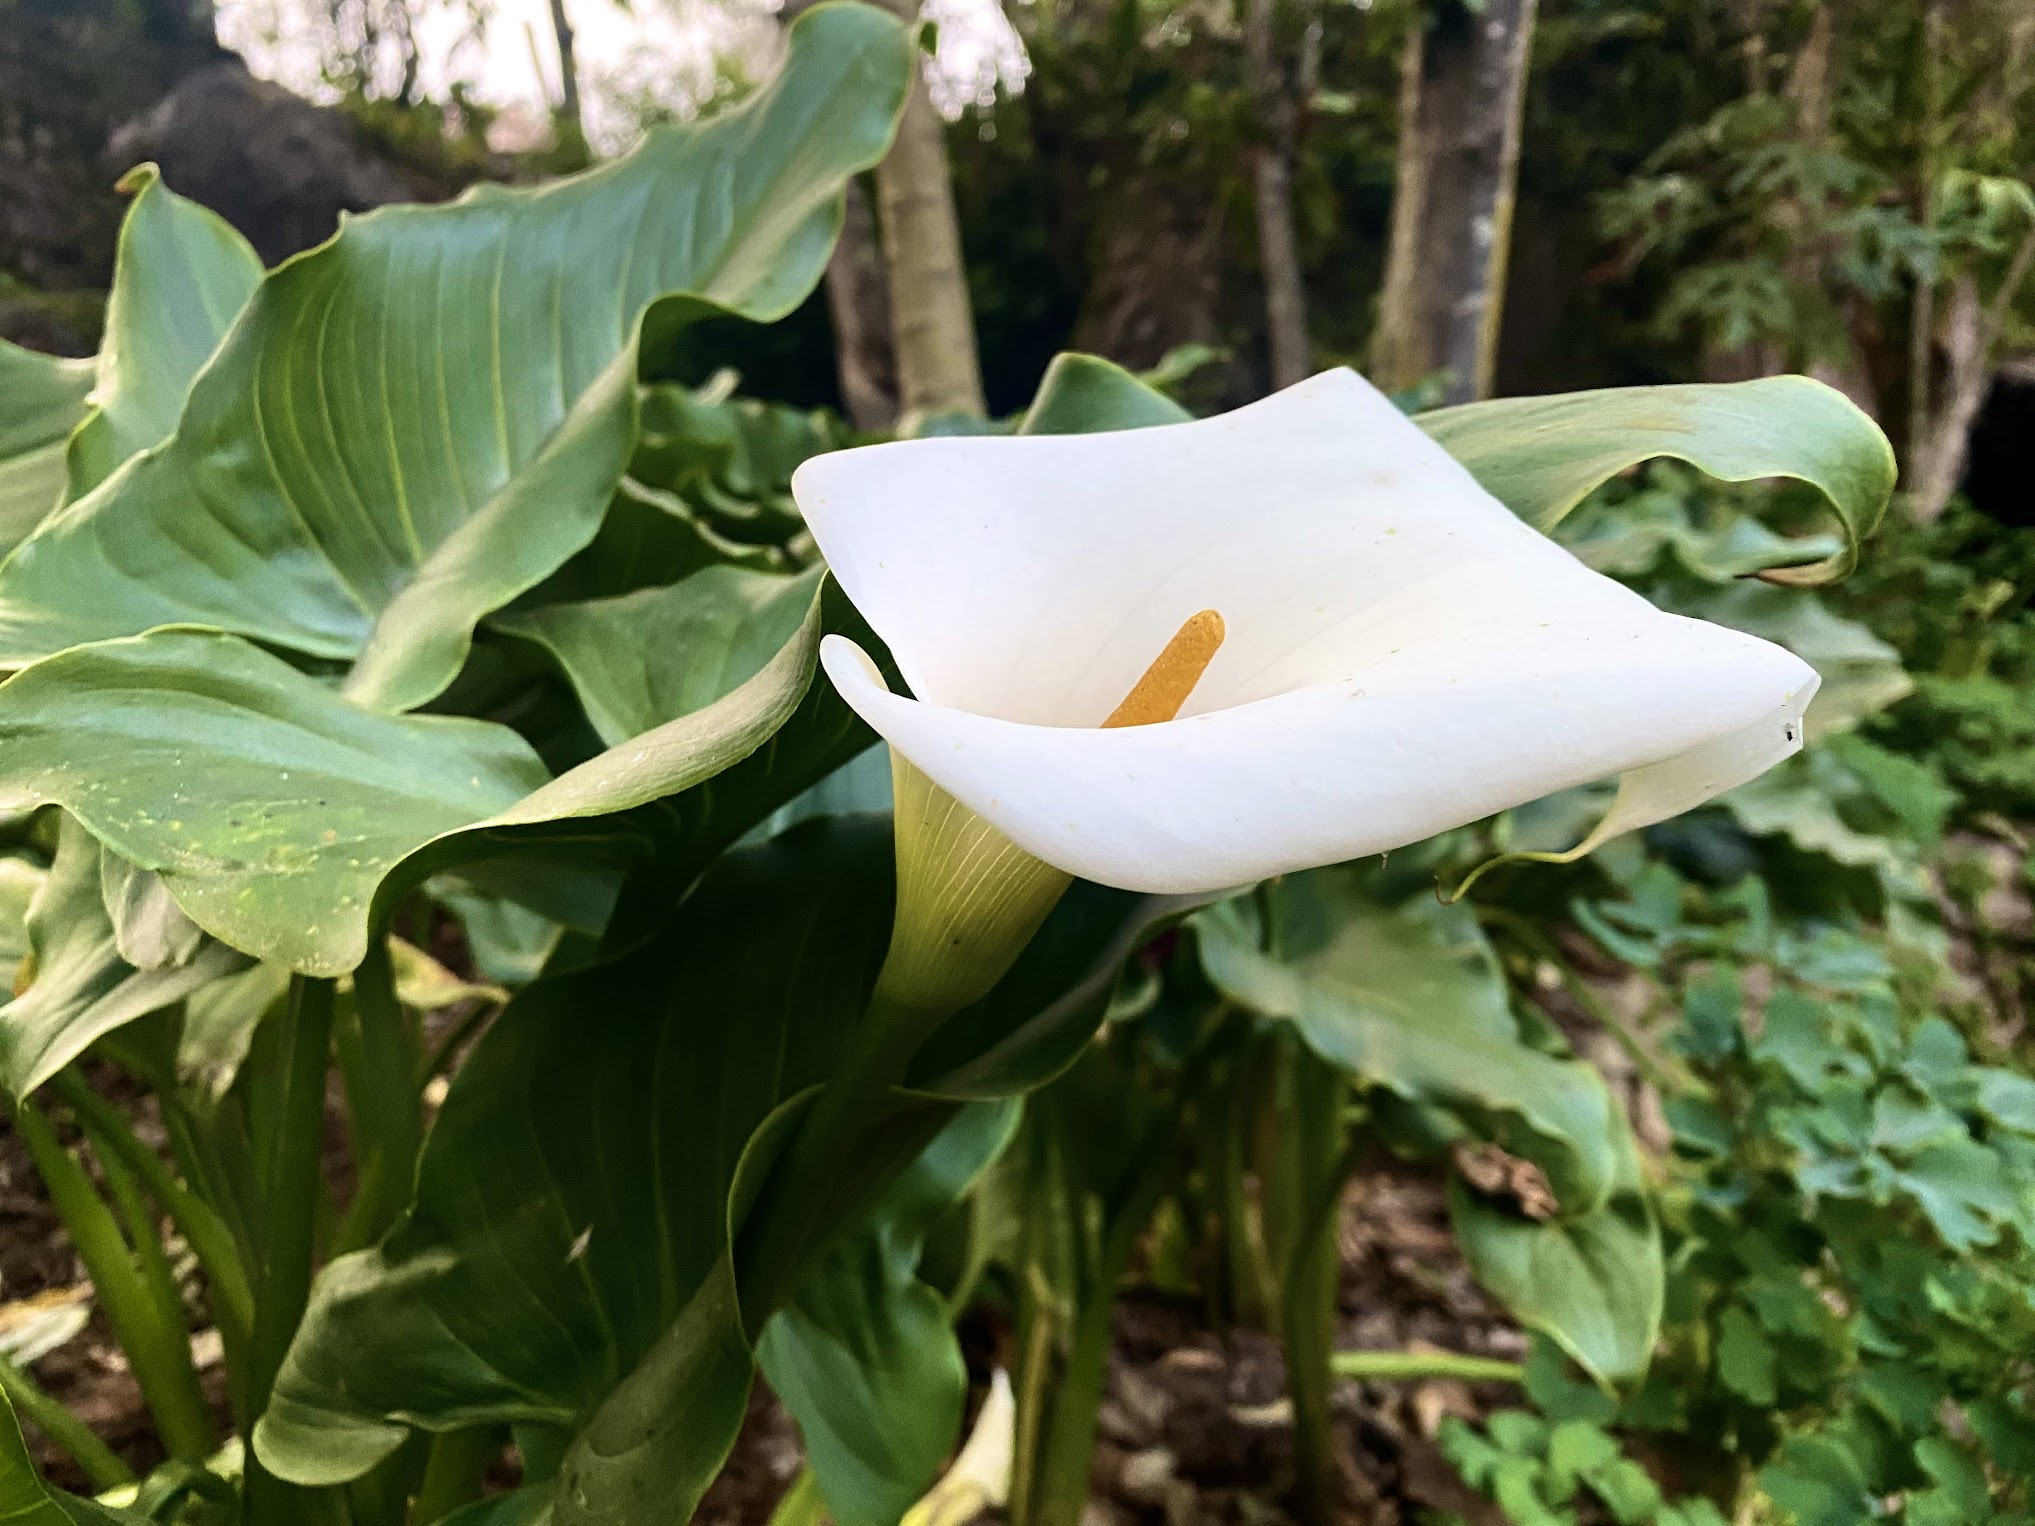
1403	656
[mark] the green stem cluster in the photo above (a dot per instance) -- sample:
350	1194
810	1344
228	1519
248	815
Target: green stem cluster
290	1192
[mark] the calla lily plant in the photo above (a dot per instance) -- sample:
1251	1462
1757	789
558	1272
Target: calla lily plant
1346	645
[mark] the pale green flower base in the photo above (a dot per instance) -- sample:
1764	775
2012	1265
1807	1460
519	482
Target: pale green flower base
968	899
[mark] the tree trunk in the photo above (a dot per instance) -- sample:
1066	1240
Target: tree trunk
932	324
1278	241
1461	101
568	70
1936	456
859	305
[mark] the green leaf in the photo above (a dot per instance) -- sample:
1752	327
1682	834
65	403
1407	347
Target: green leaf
181	275
1862	675
1746	1358
1084	394
864	1356
1594	1283
21	879
1541	456
1818	1482
1670	527
83	988
271	807
42	399
572	1201
1964	1189
644	658
26	1501
1042	1014
419	420
1405	993
276	811
2007	1097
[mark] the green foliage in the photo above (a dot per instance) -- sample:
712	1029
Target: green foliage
405	592
28	1502
1543	456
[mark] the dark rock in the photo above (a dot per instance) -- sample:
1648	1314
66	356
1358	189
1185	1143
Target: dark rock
277	167
69	70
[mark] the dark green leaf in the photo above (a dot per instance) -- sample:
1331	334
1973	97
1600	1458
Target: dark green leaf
1746	1358
573	1199
1405	993
864	1356
26	1501
1593	1282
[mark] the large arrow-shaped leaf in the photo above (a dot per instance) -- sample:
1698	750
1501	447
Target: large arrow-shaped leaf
864	1356
181	275
1405	993
1541	456
26	1501
277	811
641	659
42	399
572	1199
421	419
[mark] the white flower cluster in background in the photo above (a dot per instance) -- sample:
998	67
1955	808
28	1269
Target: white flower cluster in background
640	61
978	50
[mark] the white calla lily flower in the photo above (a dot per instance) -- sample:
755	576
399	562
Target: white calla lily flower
1402	655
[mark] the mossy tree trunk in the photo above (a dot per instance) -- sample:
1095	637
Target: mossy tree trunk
1462	97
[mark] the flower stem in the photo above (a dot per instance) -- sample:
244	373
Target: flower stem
99	1463
202	1227
156	1344
290	1189
1059	1488
853	1139
381	1064
454	1472
1317	1162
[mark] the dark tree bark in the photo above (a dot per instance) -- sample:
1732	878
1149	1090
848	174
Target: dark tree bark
1462	96
858	302
568	68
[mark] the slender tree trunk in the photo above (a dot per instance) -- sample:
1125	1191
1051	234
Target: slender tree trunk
859	304
568	69
1461	102
1922	309
932	324
1278	240
858	301
1936	457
